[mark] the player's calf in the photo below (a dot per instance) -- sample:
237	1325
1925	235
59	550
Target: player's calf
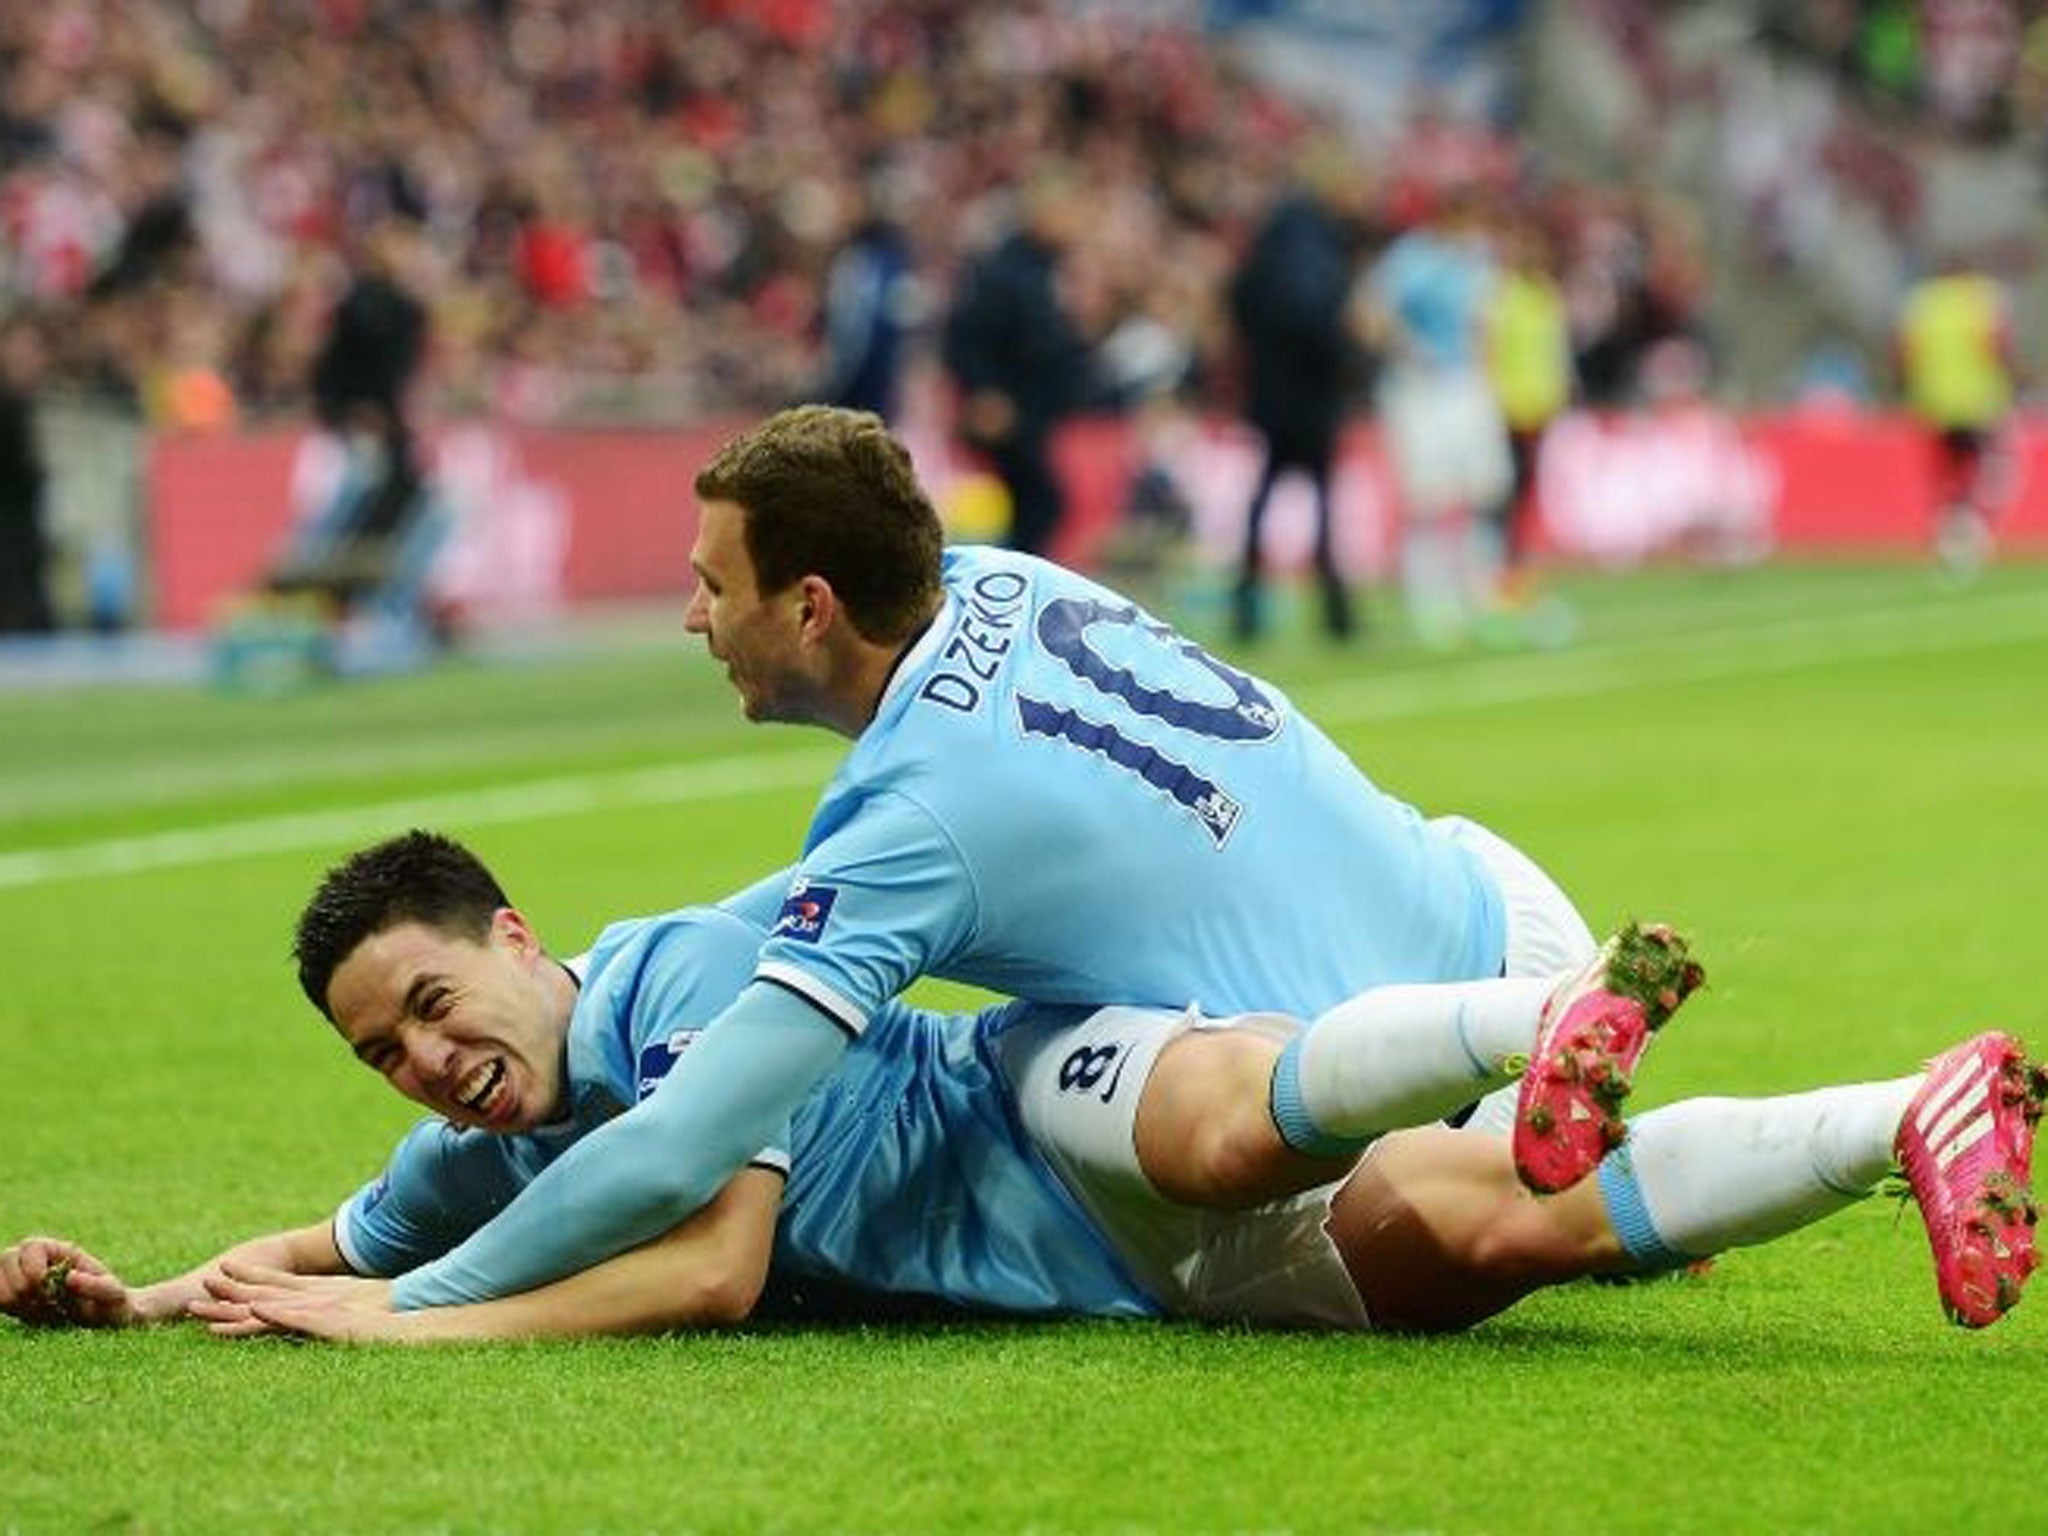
1592	1033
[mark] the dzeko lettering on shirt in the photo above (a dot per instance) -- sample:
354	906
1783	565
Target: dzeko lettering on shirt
982	636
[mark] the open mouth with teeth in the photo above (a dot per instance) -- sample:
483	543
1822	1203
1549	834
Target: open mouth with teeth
483	1091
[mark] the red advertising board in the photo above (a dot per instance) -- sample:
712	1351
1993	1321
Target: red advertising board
610	511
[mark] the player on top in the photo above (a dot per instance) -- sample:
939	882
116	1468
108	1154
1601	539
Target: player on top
1024	1160
1053	795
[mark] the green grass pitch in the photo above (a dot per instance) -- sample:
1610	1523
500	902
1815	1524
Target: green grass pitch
1835	778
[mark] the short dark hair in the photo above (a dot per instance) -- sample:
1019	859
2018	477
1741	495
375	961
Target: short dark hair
416	877
830	492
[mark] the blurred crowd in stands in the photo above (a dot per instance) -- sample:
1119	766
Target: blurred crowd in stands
1845	149
1972	67
635	208
386	214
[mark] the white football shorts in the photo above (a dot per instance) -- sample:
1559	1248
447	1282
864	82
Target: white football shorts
1545	934
1446	439
1077	1089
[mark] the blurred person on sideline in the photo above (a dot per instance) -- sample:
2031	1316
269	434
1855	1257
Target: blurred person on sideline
869	305
1955	360
1024	1160
1444	433
1529	360
24	546
1291	301
362	381
1149	366
1017	354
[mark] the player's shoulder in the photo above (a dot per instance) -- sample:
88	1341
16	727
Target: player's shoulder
984	572
987	569
436	1157
997	597
695	937
646	973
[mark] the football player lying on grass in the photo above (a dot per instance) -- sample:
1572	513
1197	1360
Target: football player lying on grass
1045	1161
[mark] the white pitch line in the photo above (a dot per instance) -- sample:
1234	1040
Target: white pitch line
1694	657
537	799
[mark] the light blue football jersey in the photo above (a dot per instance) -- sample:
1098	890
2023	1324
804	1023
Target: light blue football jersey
908	1172
1061	798
1436	289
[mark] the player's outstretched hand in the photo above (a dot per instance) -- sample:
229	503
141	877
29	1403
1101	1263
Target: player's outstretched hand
245	1300
49	1282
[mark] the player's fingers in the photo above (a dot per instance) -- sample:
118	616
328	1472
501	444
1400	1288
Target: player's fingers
25	1291
282	1283
83	1263
96	1285
256	1274
87	1301
34	1260
40	1253
56	1248
309	1322
230	1319
224	1287
238	1293
50	1265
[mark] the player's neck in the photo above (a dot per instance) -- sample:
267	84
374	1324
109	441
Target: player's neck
868	669
856	694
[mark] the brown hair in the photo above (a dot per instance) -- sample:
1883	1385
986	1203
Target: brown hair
829	492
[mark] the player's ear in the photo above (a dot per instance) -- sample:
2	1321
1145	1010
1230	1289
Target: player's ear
818	607
510	928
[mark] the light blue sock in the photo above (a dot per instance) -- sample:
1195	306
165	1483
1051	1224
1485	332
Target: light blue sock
1630	1216
1291	1116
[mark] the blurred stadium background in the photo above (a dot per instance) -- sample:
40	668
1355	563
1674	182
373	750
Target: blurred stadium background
622	223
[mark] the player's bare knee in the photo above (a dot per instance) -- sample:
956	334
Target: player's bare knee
1205	1135
1222	1158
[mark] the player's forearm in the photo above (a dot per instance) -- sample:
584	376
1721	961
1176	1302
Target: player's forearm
643	1173
306	1250
705	1274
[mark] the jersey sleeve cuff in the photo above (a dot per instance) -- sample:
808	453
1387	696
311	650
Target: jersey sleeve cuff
844	1012
345	1243
773	1159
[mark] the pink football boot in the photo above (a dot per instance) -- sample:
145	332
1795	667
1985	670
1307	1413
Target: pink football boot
1593	1030
1966	1146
